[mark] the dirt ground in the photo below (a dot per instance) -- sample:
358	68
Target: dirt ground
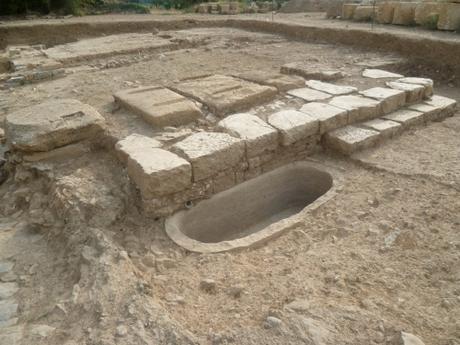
382	256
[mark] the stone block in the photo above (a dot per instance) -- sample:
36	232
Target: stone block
210	153
359	108
293	126
406	117
307	71
385	12
442	102
332	89
348	11
363	13
427	14
158	172
449	17
350	139
379	74
308	94
52	124
441	107
425	82
223	8
404	13
282	82
386	128
258	135
414	93
329	117
390	99
430	113
224	94
159	106
134	143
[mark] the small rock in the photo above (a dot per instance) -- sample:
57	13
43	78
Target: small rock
235	291
8	277
6	266
298	305
8	310
121	331
272	322
42	330
176	299
165	263
373	202
208	285
410	339
7	290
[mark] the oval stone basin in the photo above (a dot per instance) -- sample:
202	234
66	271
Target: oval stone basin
255	210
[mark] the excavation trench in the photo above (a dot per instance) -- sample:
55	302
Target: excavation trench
254	211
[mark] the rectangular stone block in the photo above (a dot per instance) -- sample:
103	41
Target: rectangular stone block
363	13
210	153
329	117
132	144
426	14
442	102
329	88
386	128
379	74
258	135
350	139
308	94
159	106
359	108
293	126
425	82
404	13
224	94
391	99
348	11
414	93
406	117
438	108
430	113
307	71
385	12
449	17
282	82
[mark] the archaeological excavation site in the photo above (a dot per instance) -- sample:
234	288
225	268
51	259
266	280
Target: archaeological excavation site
235	173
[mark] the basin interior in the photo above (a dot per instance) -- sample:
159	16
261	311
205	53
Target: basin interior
254	204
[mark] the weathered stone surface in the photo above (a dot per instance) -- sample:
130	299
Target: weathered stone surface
414	92
430	113
158	172
390	99
258	135
6	266
404	13
306	70
329	117
52	124
348	10
385	12
363	13
12	335
442	102
308	94
379	74
436	109
293	125
134	143
350	139
282	82
210	153
332	89
406	117
426	13
410	339
60	154
7	290
359	108
425	82
449	16
8	310
386	128
159	106
224	94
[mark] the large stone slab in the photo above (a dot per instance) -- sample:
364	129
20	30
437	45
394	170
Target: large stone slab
426	14
425	82
309	95
449	17
442	102
282	82
385	12
437	108
156	171
391	99
224	94
159	106
307	71
350	139
332	89
52	124
386	128
210	153
258	135
364	13
430	113
329	117
359	108
404	13
406	117
134	143
414	93
379	74
293	126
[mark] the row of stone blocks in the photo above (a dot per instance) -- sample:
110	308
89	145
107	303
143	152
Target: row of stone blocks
440	15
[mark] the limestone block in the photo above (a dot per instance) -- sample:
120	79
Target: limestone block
203	8
293	126
350	139
307	71
427	13
414	92
386	128
210	153
363	13
404	13
223	8
379	74
158	172
159	106
406	117
442	102
258	135
332	89
449	17
329	117
134	143
430	113
308	94
427	84
348	10
385	12
282	82
334	9
359	108
390	99
52	124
